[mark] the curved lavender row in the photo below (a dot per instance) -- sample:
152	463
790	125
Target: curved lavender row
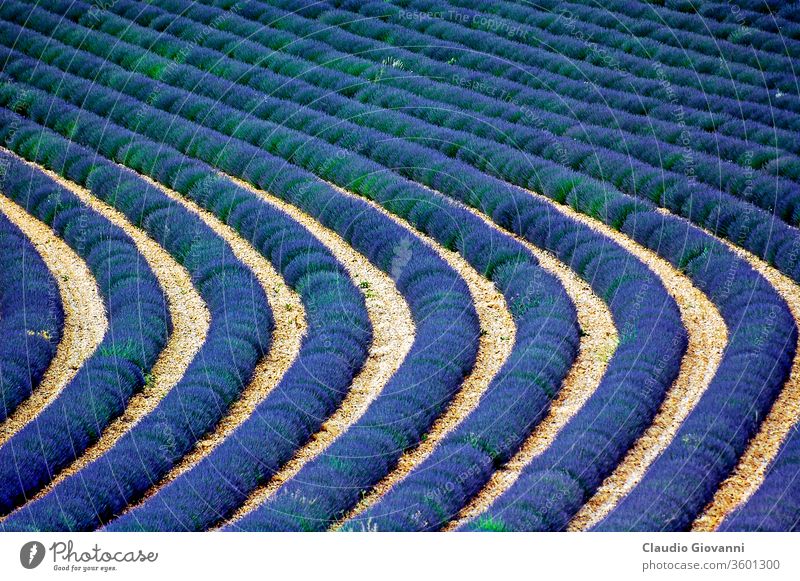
647	181
653	40
238	336
31	315
460	45
139	325
565	41
395	405
447	332
775	506
554	486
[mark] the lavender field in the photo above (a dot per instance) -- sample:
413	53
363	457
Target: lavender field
403	265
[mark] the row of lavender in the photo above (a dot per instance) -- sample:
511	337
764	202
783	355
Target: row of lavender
31	316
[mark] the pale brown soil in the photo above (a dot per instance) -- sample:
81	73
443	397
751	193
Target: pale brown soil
190	321
597	345
498	332
290	326
85	321
393	333
707	338
782	417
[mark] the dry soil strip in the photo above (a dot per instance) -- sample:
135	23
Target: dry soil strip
783	416
495	343
393	334
290	326
190	322
597	344
707	337
85	320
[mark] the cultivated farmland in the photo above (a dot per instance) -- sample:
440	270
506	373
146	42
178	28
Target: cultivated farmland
405	265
